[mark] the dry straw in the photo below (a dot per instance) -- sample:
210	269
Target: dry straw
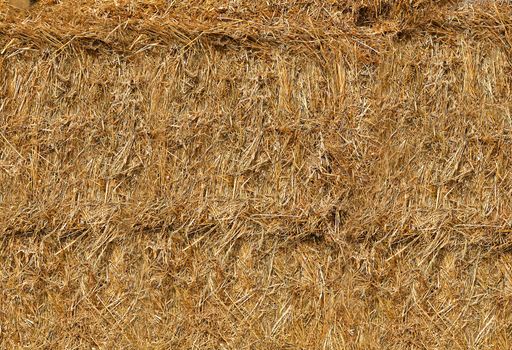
260	175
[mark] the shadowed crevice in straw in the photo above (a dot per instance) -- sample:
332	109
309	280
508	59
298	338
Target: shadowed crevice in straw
311	176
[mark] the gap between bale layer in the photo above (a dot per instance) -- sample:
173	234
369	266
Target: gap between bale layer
256	175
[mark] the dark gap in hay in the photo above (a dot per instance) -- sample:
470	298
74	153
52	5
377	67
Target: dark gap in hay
366	16
404	35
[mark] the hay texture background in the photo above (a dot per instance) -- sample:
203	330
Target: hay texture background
260	175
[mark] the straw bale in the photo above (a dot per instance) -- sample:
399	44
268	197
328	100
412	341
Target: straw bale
263	175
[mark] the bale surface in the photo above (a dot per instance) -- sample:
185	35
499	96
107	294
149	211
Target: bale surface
260	175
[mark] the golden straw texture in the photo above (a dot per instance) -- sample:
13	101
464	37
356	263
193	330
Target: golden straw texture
256	175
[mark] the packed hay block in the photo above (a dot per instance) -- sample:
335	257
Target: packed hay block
263	175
